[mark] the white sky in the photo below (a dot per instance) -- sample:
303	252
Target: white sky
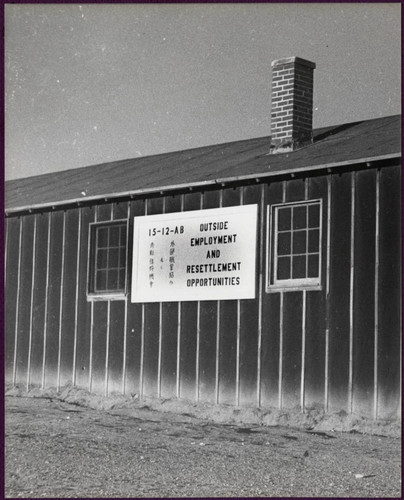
93	83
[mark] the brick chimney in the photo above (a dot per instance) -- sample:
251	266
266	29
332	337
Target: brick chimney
292	104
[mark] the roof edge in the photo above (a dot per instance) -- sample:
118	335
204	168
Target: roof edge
193	185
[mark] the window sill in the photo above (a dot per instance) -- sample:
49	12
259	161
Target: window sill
291	288
106	297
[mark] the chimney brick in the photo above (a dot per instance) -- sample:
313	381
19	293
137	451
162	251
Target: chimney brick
292	103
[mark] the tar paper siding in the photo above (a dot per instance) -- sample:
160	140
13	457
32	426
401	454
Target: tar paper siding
338	347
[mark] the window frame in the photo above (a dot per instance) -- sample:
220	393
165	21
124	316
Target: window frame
91	293
292	284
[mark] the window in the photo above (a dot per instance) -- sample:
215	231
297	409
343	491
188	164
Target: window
295	245
108	258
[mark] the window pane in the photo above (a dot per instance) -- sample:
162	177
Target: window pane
122	236
113	257
314	240
283	268
112	280
284	218
314	215
102	241
299	267
102	259
121	277
101	281
122	257
284	243
299	242
299	218
114	236
313	266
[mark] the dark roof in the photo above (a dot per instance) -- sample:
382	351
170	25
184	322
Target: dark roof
333	146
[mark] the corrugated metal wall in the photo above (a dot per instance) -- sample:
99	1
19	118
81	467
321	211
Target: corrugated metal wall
338	347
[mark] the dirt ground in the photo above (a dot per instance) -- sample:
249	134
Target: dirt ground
75	445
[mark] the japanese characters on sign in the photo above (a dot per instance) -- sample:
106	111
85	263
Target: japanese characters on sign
197	255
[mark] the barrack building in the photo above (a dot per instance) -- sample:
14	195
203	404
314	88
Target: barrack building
262	273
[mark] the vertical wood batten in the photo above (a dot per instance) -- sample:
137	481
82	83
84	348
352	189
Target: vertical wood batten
178	365
198	330
17	301
62	266
31	314
351	296
238	330
124	347
142	332
198	344
107	348
376	292
125	321
141	367
260	292
217	368
303	367
280	350
304	305
107	352
327	297
238	354
45	328
6	223
217	352
5	283
90	369
160	347
281	306
76	304
5	267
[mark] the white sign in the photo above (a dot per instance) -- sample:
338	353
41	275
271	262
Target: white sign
197	255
